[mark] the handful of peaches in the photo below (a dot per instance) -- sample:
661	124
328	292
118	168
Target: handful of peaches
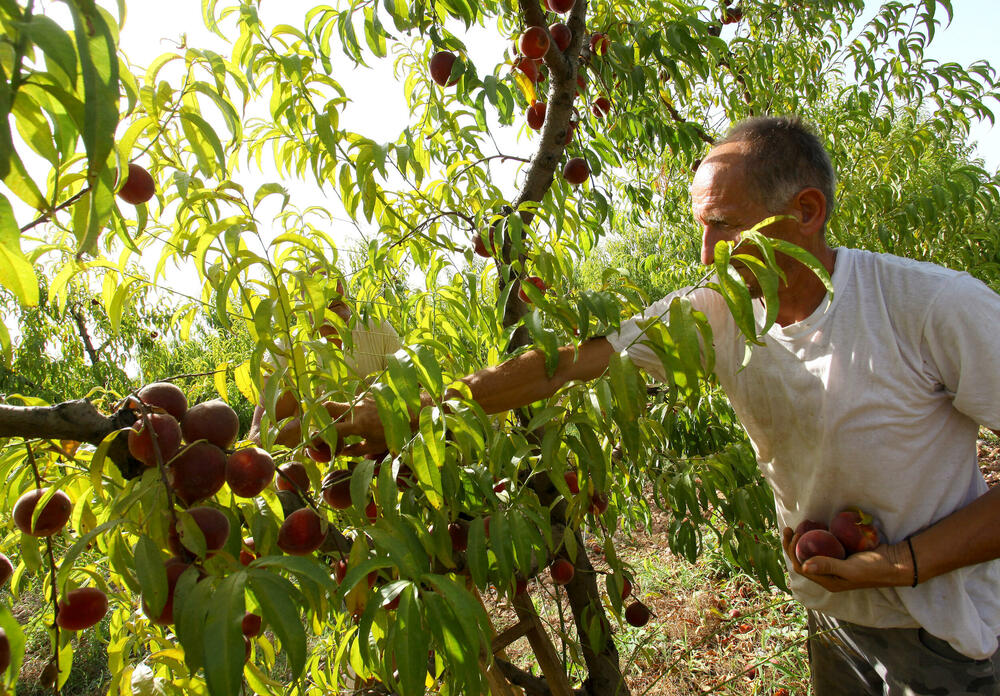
851	530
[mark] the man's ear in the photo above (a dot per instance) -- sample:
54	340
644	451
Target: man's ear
811	204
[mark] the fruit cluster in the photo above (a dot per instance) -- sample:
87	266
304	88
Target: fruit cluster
851	530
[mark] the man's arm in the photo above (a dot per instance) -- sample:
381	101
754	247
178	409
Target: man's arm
515	383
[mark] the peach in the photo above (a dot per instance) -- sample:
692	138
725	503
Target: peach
534	42
214	526
818	542
562	571
576	171
198	472
251	625
459	533
51	519
138	186
6	570
301	533
561	35
175	567
214	421
168	438
441	64
637	614
81	608
808	525
248	471
165	395
855	529
292	477
337	489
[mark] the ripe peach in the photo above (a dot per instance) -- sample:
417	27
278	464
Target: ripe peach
561	35
4	651
576	171
251	625
214	526
562	571
478	245
535	116
637	614
175	567
6	570
818	542
51	519
441	64
570	130
165	395
601	107
340	570
459	533
537	282
854	529
535	42
138	186
248	471
168	438
248	552
292	477
733	15
598	503
214	421
337	489
197	472
371	511
572	482
529	67
626	586
81	608
561	6
599	44
301	533
808	525
319	451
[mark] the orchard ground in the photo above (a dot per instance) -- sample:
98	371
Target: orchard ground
711	631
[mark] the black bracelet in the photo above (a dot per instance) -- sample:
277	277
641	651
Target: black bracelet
913	558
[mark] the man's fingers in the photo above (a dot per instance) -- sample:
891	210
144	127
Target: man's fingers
290	434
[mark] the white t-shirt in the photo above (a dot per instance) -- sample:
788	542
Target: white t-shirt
372	342
874	400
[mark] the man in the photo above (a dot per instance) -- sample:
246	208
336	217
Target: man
365	358
870	397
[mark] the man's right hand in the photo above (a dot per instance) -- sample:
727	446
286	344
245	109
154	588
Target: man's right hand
349	419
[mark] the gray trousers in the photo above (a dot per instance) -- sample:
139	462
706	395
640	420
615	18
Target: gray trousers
846	659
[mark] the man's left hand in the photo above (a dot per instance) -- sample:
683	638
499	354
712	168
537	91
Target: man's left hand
887	565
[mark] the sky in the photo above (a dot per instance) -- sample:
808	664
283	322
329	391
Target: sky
971	36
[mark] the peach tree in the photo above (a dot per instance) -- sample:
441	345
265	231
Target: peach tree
512	167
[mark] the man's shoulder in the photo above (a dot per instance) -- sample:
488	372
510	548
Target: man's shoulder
884	263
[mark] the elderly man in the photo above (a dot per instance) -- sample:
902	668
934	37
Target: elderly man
871	396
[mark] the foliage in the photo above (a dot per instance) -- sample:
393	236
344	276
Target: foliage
263	263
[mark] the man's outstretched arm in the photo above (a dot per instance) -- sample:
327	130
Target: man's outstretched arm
520	381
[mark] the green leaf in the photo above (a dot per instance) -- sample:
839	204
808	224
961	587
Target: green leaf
151	573
224	648
279	607
192	599
55	42
411	647
16	272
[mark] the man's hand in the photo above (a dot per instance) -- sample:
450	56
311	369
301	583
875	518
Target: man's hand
357	419
887	565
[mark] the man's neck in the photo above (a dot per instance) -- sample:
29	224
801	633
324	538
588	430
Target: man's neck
804	292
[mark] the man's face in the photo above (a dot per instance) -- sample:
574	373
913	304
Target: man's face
723	206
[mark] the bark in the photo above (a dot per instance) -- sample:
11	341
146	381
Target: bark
73	420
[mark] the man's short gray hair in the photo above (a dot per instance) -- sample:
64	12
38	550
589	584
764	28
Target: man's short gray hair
784	156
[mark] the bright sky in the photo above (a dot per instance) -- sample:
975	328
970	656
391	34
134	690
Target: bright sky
970	37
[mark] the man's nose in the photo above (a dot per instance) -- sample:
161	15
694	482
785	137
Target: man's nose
709	238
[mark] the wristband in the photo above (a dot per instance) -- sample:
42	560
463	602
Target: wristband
913	558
